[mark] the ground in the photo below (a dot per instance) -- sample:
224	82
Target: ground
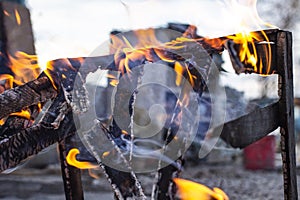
230	175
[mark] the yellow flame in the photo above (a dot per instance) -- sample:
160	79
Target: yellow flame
39	105
24	113
2	121
105	154
8	79
246	15
179	69
49	68
24	66
71	160
114	82
18	17
189	190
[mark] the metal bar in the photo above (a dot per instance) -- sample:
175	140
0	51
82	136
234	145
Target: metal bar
286	111
71	175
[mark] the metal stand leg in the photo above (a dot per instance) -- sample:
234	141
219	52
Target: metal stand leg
285	68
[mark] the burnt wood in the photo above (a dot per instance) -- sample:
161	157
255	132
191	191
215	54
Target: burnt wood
249	128
286	103
29	141
31	93
55	126
70	174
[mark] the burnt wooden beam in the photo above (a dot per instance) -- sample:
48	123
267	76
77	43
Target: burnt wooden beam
31	93
16	28
71	175
286	112
56	124
249	128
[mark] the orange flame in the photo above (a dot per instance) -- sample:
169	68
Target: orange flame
114	82
189	190
24	66
8	80
47	72
18	17
64	68
246	17
23	113
71	160
145	46
248	53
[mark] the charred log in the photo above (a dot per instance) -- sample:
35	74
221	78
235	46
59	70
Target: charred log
55	126
31	93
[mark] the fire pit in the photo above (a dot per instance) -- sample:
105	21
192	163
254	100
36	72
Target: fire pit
265	52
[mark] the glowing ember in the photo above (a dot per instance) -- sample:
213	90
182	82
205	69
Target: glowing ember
71	160
189	190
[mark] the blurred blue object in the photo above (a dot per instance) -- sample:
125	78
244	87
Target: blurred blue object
297	128
15	1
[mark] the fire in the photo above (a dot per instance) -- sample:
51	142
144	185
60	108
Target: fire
189	190
246	17
247	50
48	71
7	80
24	113
71	160
62	69
113	80
146	47
105	154
24	67
18	17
